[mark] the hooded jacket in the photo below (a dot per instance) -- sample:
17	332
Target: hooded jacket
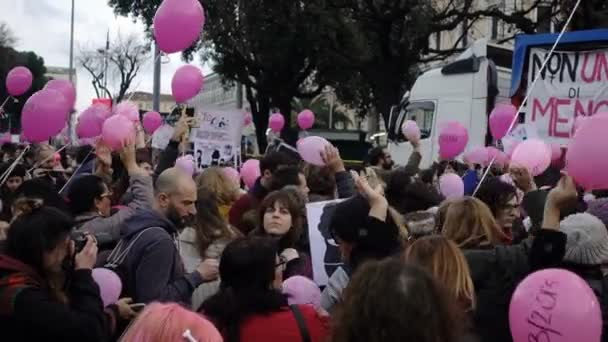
153	268
28	312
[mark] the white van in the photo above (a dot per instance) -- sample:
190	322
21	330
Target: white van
465	90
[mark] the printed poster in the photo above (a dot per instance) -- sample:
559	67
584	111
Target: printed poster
217	139
324	250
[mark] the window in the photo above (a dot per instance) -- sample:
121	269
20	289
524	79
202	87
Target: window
494	29
423	113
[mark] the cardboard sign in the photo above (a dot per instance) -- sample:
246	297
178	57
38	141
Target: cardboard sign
324	250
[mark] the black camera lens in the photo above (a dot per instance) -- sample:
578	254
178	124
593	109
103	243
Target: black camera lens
80	240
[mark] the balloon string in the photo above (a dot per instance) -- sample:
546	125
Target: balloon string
529	92
3	104
77	169
10	169
47	158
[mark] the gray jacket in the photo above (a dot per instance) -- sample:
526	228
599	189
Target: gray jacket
108	228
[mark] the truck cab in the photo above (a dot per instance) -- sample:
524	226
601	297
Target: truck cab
465	90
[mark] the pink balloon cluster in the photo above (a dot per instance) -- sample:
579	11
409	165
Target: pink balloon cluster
556	303
151	122
44	115
19	81
66	88
127	109
451	186
310	149
118	131
187	82
586	155
411	131
90	121
453	139
110	285
250	172
306	119
178	24
533	154
500	158
276	122
501	118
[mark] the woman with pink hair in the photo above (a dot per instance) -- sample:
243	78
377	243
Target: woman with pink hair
170	322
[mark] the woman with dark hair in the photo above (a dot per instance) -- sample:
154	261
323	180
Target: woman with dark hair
41	297
364	229
10	186
90	200
390	300
205	241
280	218
249	306
502	200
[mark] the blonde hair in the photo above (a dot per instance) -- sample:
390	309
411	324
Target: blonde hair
470	223
170	322
442	258
214	180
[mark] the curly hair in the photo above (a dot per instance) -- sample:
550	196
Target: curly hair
496	194
320	180
390	300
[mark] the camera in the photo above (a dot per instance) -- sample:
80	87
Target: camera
80	239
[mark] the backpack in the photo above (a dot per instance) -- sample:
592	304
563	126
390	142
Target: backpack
116	260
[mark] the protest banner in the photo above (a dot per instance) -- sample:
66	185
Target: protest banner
324	251
574	83
217	139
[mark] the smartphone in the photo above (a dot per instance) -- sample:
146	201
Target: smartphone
137	307
190	112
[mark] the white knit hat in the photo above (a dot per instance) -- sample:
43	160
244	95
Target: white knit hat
587	242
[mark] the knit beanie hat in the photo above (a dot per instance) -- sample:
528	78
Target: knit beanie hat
420	223
599	209
587	242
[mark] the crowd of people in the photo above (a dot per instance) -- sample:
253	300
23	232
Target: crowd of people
200	258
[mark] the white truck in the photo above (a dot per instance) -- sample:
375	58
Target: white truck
467	89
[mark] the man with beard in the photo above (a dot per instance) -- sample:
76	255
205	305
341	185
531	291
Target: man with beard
381	160
147	258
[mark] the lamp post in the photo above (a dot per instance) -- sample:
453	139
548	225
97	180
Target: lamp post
71	72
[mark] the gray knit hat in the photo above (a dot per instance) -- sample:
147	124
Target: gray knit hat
587	242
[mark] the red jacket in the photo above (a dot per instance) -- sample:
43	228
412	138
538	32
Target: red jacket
246	203
282	326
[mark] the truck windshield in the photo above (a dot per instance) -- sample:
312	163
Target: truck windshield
422	112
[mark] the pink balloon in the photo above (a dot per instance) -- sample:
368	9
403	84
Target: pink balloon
152	121
276	122
19	81
451	186
306	119
501	118
586	155
556	303
453	139
187	82
178	24
578	123
512	148
109	284
247	119
186	164
310	149
44	115
532	154
411	131
127	109
66	88
500	158
90	122
232	174
250	172
118	131
556	151
301	291
478	155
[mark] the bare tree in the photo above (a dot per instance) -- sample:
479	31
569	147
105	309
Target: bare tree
114	68
7	39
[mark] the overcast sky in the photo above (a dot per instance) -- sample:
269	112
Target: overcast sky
43	26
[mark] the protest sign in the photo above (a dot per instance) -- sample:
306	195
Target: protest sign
574	83
324	251
162	136
217	139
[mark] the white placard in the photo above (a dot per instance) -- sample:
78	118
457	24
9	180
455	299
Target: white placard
324	252
217	139
574	83
162	136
